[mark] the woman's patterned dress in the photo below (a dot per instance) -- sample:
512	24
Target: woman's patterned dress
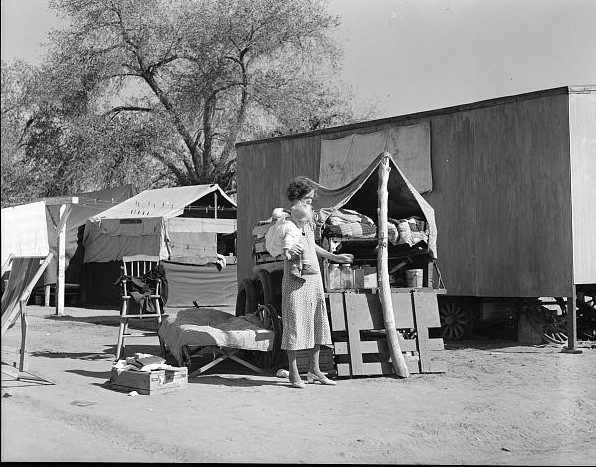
303	310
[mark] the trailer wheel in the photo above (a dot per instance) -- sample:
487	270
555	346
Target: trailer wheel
270	318
268	288
454	320
264	286
246	300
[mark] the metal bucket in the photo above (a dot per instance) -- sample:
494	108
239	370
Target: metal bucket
414	277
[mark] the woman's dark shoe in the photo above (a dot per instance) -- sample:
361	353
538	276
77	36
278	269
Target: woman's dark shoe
311	378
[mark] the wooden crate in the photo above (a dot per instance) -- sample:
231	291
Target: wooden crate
150	382
359	338
326	363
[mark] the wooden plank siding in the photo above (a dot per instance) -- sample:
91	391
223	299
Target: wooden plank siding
501	191
452	198
582	123
522	199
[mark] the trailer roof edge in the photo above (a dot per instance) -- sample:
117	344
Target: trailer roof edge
428	113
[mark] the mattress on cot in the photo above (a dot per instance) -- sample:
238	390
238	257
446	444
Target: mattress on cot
210	326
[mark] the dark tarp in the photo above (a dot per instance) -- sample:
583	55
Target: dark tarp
186	283
206	285
361	196
97	283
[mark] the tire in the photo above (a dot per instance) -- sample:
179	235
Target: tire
264	286
246	300
273	358
454	320
268	288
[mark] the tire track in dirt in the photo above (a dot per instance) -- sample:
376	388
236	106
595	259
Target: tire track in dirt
116	434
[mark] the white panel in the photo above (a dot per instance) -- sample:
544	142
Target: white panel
582	122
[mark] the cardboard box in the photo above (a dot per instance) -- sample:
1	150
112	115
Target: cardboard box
150	382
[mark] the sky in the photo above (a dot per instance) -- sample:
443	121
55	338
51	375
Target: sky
407	56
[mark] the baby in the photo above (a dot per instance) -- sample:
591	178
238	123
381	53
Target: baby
286	233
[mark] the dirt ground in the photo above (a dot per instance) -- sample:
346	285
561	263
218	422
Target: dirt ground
498	403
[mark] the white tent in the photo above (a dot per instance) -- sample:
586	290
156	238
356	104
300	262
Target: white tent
24	231
180	225
175	223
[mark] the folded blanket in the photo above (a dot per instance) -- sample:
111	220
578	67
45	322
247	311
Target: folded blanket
209	326
409	231
348	216
352	229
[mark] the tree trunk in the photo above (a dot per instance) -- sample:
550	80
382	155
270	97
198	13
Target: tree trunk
178	124
397	357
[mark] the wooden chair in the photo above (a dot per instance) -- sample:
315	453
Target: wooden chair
133	270
24	273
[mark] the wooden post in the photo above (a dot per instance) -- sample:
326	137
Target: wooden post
572	324
65	203
215	202
46	295
60	283
397	357
24	357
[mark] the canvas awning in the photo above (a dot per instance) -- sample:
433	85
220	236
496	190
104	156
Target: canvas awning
361	195
148	224
161	202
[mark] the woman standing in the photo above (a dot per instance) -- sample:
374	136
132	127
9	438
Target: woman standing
303	310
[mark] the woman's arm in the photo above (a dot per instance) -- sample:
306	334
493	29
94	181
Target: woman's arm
345	258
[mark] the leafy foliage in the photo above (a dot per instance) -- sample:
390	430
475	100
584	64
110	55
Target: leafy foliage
158	92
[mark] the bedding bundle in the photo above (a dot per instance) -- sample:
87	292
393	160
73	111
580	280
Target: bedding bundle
346	223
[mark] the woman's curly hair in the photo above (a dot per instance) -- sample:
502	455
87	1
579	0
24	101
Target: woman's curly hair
298	188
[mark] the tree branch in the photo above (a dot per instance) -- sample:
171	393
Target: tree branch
128	108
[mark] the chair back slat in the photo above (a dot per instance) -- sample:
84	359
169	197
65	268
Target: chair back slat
139	265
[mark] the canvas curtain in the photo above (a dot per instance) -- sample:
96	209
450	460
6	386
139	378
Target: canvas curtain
111	239
343	159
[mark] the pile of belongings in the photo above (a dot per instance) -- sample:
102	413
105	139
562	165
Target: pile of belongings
142	362
347	223
141	289
344	224
409	231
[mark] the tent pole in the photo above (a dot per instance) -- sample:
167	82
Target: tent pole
46	295
215	201
65	211
397	357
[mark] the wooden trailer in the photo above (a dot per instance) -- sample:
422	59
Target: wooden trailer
374	310
512	182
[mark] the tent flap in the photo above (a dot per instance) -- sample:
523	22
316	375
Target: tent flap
361	195
110	240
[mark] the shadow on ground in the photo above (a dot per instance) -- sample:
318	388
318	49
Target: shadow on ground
90	356
233	381
103	375
111	320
